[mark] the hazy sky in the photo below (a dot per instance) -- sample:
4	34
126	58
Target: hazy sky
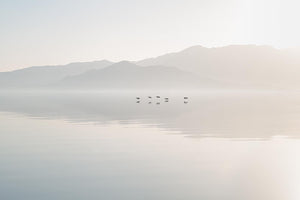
41	32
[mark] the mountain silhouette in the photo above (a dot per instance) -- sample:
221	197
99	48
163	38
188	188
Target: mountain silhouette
248	65
235	67
41	76
127	75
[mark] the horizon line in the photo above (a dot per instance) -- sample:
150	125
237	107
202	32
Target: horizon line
153	57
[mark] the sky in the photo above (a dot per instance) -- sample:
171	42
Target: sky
51	32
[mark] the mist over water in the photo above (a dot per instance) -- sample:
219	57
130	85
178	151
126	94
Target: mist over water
233	114
111	145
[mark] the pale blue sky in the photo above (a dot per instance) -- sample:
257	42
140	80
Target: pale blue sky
43	32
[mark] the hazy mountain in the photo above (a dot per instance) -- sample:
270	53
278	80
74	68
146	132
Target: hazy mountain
46	75
237	66
131	76
251	65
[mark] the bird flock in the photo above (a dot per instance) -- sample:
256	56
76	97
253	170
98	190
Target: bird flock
166	99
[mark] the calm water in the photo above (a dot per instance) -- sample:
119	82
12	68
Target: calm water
105	146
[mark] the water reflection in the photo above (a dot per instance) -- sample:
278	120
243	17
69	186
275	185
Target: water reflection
233	115
131	151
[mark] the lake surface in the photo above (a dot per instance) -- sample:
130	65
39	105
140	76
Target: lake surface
85	145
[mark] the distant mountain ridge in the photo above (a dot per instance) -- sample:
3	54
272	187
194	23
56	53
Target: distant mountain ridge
127	75
235	66
41	76
251	65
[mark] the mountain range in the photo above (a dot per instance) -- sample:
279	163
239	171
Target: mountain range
236	66
127	75
249	65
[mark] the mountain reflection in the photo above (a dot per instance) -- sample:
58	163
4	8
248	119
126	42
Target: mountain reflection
224	115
